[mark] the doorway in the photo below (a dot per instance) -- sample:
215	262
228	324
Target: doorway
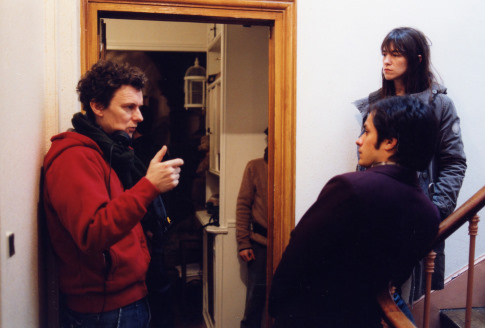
280	16
167	122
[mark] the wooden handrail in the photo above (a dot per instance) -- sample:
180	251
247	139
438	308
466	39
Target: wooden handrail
393	314
466	212
428	270
461	215
472	231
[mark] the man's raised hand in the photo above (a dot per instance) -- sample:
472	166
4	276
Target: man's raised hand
164	175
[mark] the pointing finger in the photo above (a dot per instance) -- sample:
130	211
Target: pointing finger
159	156
174	162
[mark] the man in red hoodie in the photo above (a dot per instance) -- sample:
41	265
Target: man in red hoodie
96	192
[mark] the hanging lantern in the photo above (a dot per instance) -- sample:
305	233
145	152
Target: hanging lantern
195	86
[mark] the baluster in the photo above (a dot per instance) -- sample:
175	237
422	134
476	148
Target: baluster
472	231
428	269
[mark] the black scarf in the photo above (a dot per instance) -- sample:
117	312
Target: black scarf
116	150
129	168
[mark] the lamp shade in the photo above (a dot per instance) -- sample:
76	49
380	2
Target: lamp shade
195	86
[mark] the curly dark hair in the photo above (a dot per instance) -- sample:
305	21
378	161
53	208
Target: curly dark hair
101	82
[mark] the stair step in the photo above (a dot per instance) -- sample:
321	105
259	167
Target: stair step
455	318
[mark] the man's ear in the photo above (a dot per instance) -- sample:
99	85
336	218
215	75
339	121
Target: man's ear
97	108
390	144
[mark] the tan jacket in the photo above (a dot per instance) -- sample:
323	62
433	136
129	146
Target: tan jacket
252	204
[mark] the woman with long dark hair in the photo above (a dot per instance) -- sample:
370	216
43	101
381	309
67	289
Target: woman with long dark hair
406	70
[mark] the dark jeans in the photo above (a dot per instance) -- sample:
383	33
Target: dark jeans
403	306
134	315
256	289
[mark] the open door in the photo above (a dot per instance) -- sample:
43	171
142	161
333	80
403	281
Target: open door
282	82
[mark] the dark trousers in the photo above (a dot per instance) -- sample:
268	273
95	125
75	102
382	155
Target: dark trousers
256	289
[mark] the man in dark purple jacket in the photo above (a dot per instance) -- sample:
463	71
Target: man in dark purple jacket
365	229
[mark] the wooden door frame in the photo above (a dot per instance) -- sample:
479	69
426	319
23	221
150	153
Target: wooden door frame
281	16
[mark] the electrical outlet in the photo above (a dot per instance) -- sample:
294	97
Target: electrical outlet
11	244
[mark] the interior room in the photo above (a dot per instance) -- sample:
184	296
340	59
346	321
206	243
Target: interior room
215	136
323	56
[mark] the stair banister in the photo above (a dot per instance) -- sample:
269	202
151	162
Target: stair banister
466	212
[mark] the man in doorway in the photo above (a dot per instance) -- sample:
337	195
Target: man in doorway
365	229
251	232
96	193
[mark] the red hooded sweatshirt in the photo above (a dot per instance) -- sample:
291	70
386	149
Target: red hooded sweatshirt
89	229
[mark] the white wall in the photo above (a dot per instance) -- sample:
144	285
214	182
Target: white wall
245	118
21	100
37	41
339	61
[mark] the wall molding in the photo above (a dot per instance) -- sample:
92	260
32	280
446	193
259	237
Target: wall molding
155	46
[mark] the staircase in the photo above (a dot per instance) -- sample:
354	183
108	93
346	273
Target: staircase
455	318
453	296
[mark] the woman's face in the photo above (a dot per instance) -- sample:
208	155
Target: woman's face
394	64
